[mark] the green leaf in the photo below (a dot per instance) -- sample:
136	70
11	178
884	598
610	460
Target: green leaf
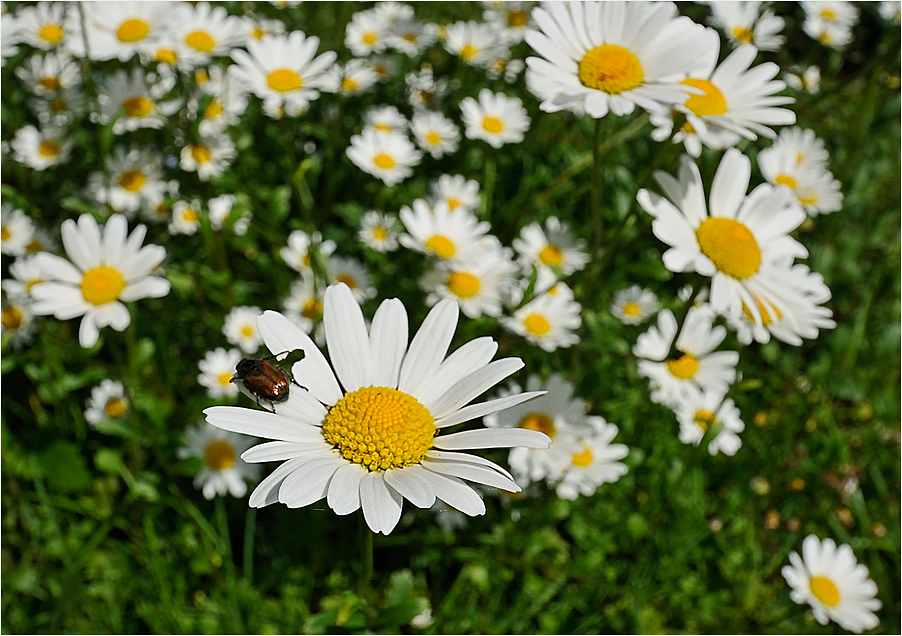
63	467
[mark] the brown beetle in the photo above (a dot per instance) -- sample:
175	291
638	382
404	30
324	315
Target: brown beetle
263	380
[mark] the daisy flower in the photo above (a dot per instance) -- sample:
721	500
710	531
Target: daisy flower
352	273
548	320
798	161
595	463
256	27
209	157
225	106
495	118
891	10
634	305
26	273
557	414
748	23
598	57
393	13
297	254
202	32
16	320
136	100
185	217
384	66
456	191
553	246
48	75
834	584
700	411
379	231
283	72
60	107
107	402
355	77
479	287
135	181
9	36
41	149
44	26
216	371
424	90
441	233
510	19
476	43
107	269
736	102
386	156
220	211
412	37
118	30
398	395
435	133
742	242
830	22
224	471
16	231
808	80
240	328
386	119
697	366
304	306
366	33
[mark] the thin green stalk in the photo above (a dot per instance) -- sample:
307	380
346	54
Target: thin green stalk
366	555
250	527
488	186
597	190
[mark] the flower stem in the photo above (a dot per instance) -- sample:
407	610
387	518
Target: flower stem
250	527
488	186
366	555
597	188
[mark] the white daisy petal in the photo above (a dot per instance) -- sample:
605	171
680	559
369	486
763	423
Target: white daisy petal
410	484
492	438
344	489
428	347
381	505
346	338
473	411
388	342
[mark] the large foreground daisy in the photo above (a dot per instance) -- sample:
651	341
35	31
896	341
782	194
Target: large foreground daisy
367	435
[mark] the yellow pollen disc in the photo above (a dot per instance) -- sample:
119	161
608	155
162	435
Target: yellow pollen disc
811	197
828	14
200	154
800	157
50	83
305	260
213	110
730	245
468	52
462	284
48	148
611	69
785	179
410	37
284	80
380	233
704	419
115	407
453	203
219	455
369	38
517	18
683	367
200	41
765	317
167	56
258	33
347	279
744	35
347	84
493	125
58	104
102	285
4	234
224	378
443	247
584	458
34	282
313	309
51	33
538	422
551	255
632	309
190	215
824	590
825	38
536	325
247	332
201	76
380	428
133	30
711	103
137	106
132	180
433	138
385	127
384	161
12	318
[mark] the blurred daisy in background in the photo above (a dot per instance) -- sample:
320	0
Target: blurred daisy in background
133	101
549	320
379	231
41	149
224	471
386	156
748	23
26	273
412	37
891	10
510	19
595	463
383	381
435	133
495	118
634	305
107	269
221	211
386	119
225	106
298	253
808	80
48	75
201	32
830	22
353	273
441	233
135	181
701	411
476	43
44	25
17	320
552	246
304	306
16	231
424	90
216	370
208	157
479	287
456	191
107	402
834	584
366	33
355	77
185	217
119	30
240	328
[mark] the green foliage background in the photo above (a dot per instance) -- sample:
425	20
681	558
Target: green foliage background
103	531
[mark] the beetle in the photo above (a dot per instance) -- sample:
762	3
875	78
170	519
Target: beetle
263	380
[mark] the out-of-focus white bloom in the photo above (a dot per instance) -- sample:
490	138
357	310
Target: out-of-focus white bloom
136	100
456	191
49	74
479	287
224	471
26	273
424	90
553	246
352	273
107	402
808	80
384	66
216	371
185	217
748	23
297	253
240	328
226	104
412	37
441	233
700	411
891	10
44	25
830	22
634	305
379	231
510	19
366	33
16	320
202	32
41	149
58	108
16	231
548	320
435	133
209	157
386	156
119	30
595	463
220	212
385	119
476	43
355	77
495	118
135	181
304	306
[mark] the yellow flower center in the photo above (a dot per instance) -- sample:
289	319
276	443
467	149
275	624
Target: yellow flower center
384	161
462	284
824	590
201	76
611	69
744	35
132	180
224	378
200	154
808	196
380	428
468	52
115	407
51	33
492	125
102	285
517	18
453	203
213	110
433	138
219	455
166	56
369	38
347	279
584	458
538	422
785	179
442	246
683	367
12	318
825	38
258	33
730	245
384	127
246	331
551	255
137	106
200	41
58	104
313	309
34	282
828	14
632	309
4	234
712	102
379	233
189	215
536	325
50	83
284	80
133	30
48	148
765	317
348	84
704	419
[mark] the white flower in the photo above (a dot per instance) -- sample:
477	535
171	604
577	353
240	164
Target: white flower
698	412
386	156
553	246
107	402
216	371
830	22
26	273
106	270
697	366
209	157
355	77
185	217
809	80
137	100
226	102
304	306
224	471
798	162
742	242
595	463
891	10
379	231
283	72
201	32
423	90
456	191
399	395
118	30
44	26
9	36
834	584
240	328
634	305
510	19
17	320
220	213
297	254
495	118
441	233
548	320
748	23
16	231
352	273
435	133
136	181
412	37
476	43
366	33
598	57
479	287
386	119
48	75
41	149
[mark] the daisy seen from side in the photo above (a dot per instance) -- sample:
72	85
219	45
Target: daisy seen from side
595	463
108	401
224	471
303	249
701	411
